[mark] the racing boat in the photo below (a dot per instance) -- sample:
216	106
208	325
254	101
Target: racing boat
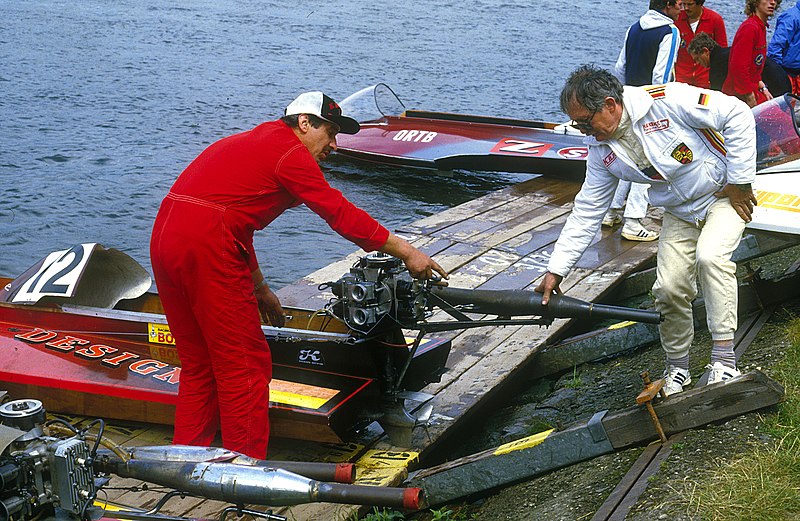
393	135
778	162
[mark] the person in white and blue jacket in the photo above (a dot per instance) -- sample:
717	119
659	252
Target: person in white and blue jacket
651	46
696	148
647	57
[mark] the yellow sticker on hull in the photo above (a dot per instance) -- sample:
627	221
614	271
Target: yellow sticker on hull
299	395
159	334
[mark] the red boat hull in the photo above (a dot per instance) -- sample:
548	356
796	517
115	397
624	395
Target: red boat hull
451	141
101	367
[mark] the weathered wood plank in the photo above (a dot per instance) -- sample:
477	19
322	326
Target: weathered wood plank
535	239
513	227
556	190
683	411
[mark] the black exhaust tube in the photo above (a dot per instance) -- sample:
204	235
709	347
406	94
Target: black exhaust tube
509	303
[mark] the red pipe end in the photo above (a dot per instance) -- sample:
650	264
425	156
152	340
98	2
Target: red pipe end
412	498
345	473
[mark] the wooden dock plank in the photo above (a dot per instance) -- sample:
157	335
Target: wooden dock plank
556	189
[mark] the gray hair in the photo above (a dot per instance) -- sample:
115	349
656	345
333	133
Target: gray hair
590	85
701	41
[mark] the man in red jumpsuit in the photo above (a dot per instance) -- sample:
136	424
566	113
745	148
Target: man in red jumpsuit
208	277
694	19
748	54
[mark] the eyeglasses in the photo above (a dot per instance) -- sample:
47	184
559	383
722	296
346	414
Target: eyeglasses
585	125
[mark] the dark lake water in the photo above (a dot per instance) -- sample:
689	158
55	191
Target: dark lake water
102	104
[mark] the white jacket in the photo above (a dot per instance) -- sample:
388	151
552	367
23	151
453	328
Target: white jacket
679	127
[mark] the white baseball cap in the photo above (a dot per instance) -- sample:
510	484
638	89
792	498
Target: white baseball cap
322	106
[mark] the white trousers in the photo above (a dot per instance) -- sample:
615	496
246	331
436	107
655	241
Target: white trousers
636	194
688	252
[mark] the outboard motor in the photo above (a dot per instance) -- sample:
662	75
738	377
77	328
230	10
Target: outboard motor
378	294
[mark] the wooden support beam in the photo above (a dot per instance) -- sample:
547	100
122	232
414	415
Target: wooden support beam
595	345
603	433
693	408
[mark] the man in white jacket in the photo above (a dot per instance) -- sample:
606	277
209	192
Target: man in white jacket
696	149
647	57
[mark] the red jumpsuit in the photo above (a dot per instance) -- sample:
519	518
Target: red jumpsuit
202	256
746	61
686	70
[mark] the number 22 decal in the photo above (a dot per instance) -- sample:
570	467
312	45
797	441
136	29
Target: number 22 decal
57	276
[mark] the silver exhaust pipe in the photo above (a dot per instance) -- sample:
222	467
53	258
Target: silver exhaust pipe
241	484
335	472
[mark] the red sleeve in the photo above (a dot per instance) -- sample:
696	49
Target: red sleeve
720	36
743	76
300	175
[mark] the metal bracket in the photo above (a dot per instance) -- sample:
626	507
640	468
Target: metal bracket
596	428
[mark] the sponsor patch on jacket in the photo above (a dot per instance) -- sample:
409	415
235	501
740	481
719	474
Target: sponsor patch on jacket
759	59
682	154
655	126
656	91
610	158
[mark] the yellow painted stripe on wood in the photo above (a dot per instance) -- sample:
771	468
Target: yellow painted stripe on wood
620	325
524	443
384	467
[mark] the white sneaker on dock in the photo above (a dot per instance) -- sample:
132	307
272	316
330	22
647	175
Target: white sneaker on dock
719	372
613	217
634	231
675	380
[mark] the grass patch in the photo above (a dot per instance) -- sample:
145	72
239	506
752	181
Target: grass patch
576	381
763	484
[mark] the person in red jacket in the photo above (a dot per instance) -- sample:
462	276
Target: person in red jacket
207	273
694	19
748	53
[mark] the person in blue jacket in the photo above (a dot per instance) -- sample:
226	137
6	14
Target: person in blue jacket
784	47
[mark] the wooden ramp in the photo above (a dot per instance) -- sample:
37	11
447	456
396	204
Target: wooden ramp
500	241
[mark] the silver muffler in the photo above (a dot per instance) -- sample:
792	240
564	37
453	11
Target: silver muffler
255	485
335	472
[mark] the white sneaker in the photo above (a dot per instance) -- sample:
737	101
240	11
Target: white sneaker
719	372
634	231
676	379
613	217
